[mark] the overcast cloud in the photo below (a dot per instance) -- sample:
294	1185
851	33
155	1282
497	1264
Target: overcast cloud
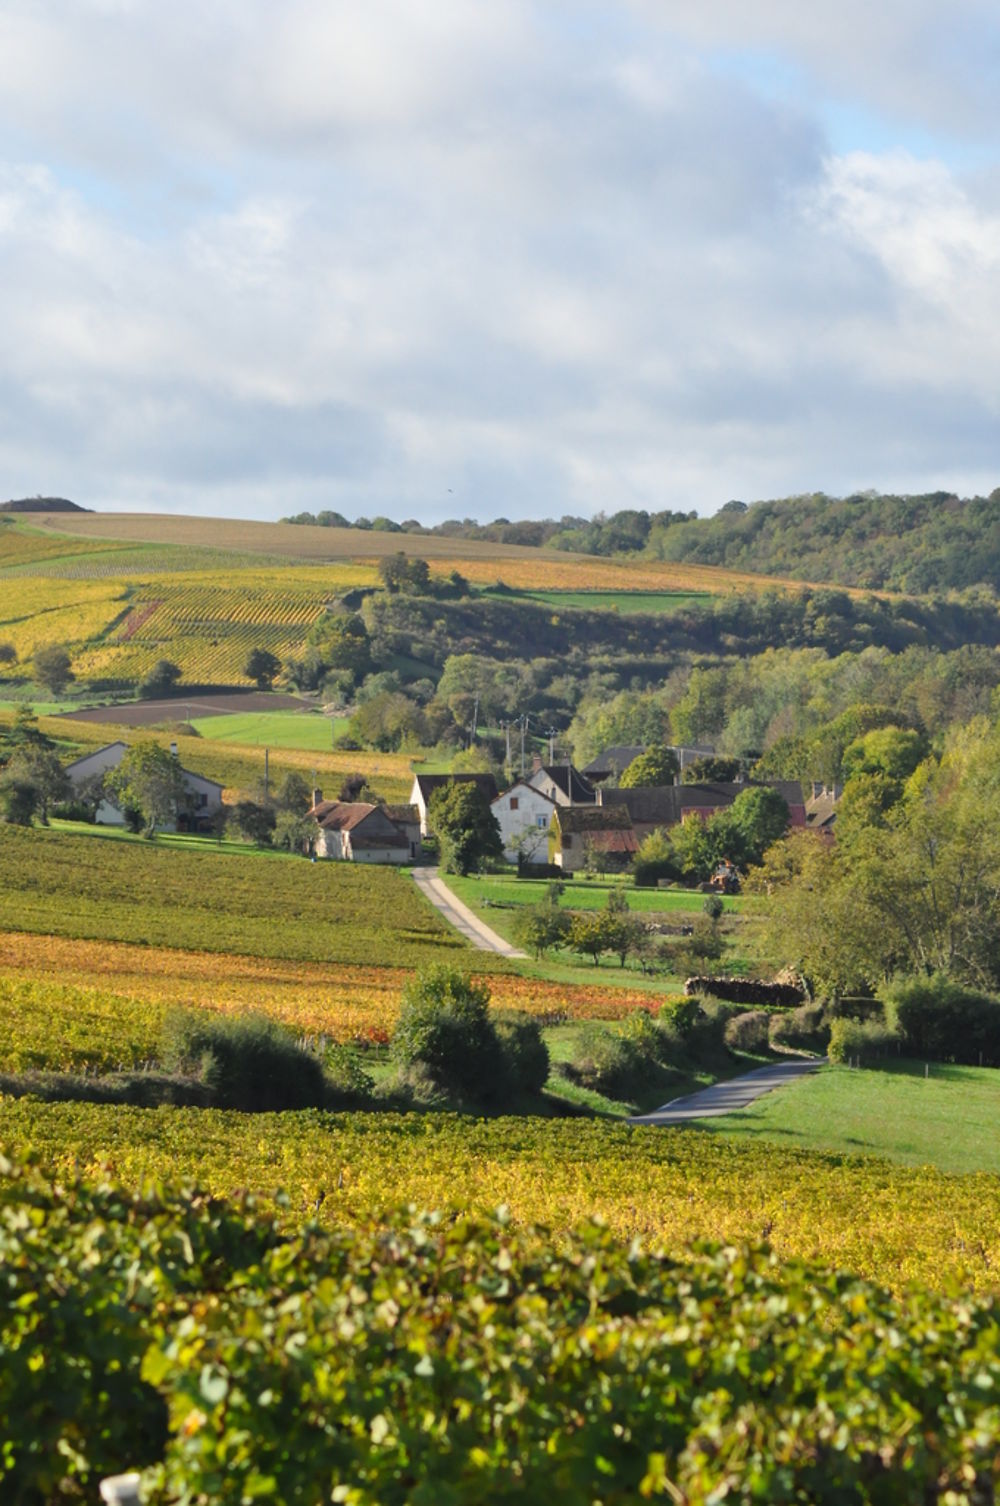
447	257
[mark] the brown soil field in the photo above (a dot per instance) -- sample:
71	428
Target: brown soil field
147	713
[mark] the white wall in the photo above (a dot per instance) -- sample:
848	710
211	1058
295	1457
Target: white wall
532	808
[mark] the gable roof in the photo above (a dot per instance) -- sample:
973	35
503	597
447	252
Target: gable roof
565	777
613	760
429	784
657	804
406	815
522	784
94	752
592	818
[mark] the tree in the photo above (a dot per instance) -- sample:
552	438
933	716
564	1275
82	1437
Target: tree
757	818
541	927
18	801
655	767
254	822
261	667
294	793
466	827
160	680
8	653
294	832
52	668
711	770
400	573
149	780
23	732
41	768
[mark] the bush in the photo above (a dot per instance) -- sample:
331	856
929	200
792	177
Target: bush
680	1014
863	1040
748	1031
247	1062
939	1020
525	1054
623	1061
445	1027
803	1029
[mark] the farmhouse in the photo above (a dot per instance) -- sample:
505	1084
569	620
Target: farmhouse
579	833
659	806
563	784
353	831
427	785
523	815
204	796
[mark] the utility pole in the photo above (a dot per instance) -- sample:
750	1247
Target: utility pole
266	770
475	720
551	734
524	727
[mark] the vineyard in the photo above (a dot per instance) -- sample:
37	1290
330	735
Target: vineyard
66	1004
891	1223
35	612
272	906
25	546
416	1361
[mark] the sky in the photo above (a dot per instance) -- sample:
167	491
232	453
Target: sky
480	258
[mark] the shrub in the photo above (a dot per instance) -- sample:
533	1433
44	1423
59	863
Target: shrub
748	1031
623	1061
679	1014
804	1029
865	1040
247	1062
525	1054
940	1020
445	1027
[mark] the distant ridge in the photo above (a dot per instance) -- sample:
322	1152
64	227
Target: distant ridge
43	504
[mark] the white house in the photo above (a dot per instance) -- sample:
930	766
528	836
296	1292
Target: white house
563	784
204	795
523	815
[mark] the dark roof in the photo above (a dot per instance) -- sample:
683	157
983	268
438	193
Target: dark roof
656	804
428	784
665	805
821	811
578	791
341	815
613	760
407	815
592	818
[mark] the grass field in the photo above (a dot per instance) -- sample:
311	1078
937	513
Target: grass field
483	894
948	1120
282	907
610	601
308	730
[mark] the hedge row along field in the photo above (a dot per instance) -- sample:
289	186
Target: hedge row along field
62	885
67	1005
891	1223
422	1362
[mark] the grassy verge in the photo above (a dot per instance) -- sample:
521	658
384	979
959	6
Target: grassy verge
310	731
947	1120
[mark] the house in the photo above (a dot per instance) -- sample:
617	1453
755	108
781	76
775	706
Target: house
204	796
580	833
657	806
523	815
563	784
613	762
354	831
425	786
407	818
821	810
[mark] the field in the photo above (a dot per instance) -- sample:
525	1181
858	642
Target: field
948	1120
22	545
612	601
522	568
68	1004
236	766
36	611
893	1223
281	907
310	731
485	894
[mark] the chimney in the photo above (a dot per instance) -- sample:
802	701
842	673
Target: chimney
173	749
317	797
536	762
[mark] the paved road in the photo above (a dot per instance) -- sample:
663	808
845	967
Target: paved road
460	916
728	1097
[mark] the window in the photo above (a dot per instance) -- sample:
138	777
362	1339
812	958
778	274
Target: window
513	802
541	821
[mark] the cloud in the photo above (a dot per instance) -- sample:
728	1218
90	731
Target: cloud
262	258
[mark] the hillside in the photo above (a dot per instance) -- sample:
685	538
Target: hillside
936	542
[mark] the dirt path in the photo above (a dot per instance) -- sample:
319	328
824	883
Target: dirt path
728	1097
460	916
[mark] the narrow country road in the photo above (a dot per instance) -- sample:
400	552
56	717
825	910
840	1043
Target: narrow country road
728	1097
460	916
